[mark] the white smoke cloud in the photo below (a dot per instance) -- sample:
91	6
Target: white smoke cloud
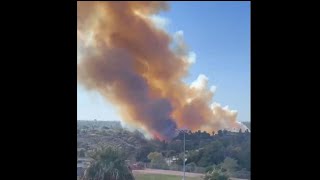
179	35
192	57
213	89
178	38
200	83
225	118
159	21
162	23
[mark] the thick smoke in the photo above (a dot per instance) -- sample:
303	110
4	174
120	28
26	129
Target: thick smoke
138	67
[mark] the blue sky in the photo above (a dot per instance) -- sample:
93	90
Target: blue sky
219	34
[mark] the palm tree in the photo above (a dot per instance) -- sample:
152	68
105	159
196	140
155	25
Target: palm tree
108	164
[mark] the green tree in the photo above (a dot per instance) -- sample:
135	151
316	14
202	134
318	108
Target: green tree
82	153
157	160
164	145
216	174
109	164
212	167
105	127
240	131
176	146
230	165
212	153
244	156
225	132
193	156
191	167
143	152
170	153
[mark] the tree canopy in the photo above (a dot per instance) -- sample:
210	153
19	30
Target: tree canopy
109	164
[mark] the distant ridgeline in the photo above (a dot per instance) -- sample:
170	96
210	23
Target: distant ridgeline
247	123
99	124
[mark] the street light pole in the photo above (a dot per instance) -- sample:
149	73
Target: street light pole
184	155
184	151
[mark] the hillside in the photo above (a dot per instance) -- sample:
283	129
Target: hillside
248	124
204	151
90	139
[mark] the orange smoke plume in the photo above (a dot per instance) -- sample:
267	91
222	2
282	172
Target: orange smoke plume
125	57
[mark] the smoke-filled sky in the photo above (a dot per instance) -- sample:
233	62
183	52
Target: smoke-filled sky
210	53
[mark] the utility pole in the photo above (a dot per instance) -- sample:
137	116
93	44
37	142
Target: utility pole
184	155
184	152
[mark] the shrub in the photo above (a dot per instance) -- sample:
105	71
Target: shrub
216	174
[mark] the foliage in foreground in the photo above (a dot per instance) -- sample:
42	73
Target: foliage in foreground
109	164
225	150
216	174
